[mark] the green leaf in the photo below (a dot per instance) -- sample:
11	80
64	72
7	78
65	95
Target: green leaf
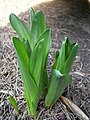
58	84
46	82
28	80
56	54
13	103
20	49
61	58
20	28
31	107
55	60
32	14
67	48
65	58
38	26
39	56
28	100
30	89
30	86
32	52
68	63
27	48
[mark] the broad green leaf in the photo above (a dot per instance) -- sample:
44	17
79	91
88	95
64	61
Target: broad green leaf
13	103
20	49
39	56
23	59
27	47
70	59
20	28
30	89
52	89
32	103
36	63
29	83
58	84
32	14
28	100
61	58
67	53
31	109
38	26
34	107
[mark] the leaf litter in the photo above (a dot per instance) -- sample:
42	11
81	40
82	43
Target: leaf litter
10	79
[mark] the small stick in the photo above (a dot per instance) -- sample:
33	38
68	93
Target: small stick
74	108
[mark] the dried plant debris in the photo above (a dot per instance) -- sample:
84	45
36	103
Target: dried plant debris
74	108
62	23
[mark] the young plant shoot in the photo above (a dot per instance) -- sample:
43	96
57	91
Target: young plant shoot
32	48
60	71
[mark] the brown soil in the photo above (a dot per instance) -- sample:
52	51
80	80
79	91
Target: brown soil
69	18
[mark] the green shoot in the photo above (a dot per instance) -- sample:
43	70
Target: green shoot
60	71
13	103
32	48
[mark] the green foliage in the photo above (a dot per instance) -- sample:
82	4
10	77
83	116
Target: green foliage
60	71
58	83
65	57
37	27
13	103
32	49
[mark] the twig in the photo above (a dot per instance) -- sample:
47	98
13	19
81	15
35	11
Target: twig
74	108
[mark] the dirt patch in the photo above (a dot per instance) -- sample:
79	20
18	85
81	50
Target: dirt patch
69	18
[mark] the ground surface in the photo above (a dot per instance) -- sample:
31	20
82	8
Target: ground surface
14	6
69	18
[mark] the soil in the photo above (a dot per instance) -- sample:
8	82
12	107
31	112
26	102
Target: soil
69	18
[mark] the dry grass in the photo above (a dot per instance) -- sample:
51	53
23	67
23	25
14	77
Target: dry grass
10	79
11	83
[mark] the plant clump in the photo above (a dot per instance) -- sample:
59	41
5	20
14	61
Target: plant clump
32	48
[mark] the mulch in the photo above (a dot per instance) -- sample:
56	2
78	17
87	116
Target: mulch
69	18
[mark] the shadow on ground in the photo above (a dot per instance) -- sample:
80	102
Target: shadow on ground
69	18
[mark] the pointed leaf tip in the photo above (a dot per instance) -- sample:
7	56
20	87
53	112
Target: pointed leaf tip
13	103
